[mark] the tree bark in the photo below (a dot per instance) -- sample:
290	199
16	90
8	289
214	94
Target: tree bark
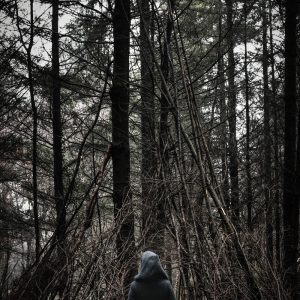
233	150
28	49
57	150
267	143
163	131
34	138
149	163
277	178
223	116
290	198
249	193
124	216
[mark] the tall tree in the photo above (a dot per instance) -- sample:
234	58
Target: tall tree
149	163
163	128
223	114
57	148
233	150
28	50
267	140
249	193
290	198
277	177
124	217
34	138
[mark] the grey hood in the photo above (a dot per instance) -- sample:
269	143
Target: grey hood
151	269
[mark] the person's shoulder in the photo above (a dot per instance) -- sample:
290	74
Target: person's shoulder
132	291
133	287
133	284
166	283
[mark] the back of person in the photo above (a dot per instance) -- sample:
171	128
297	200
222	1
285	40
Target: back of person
152	282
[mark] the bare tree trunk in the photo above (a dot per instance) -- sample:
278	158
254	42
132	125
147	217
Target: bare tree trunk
249	194
267	143
233	151
163	131
34	140
277	178
223	117
57	150
149	163
290	198
28	49
124	216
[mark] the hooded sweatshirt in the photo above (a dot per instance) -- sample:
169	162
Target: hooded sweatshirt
152	283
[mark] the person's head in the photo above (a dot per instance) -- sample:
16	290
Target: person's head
151	268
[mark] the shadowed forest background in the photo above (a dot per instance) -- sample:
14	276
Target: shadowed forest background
163	125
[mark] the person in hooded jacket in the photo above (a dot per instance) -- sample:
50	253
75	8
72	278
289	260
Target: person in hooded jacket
152	283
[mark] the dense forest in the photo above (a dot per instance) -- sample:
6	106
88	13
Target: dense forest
163	125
